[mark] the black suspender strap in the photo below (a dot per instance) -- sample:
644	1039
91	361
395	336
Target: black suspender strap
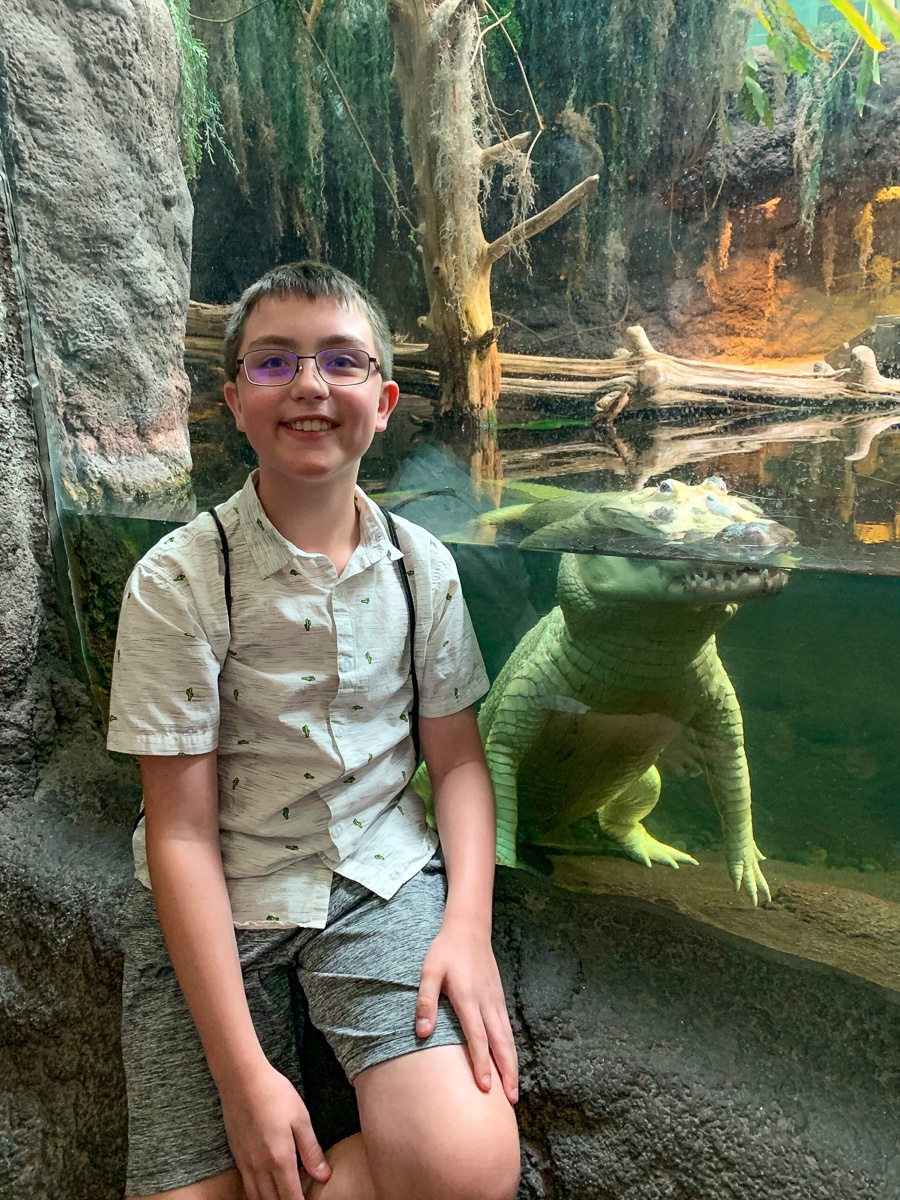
227	560
410	608
411	611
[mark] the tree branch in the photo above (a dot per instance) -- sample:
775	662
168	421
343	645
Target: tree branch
314	10
492	154
540	221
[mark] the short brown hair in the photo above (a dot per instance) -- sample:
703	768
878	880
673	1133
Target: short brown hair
312	281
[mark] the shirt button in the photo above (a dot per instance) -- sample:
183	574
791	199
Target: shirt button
346	664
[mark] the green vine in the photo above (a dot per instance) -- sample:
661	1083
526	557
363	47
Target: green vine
286	118
199	116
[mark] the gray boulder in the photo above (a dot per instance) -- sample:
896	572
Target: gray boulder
88	95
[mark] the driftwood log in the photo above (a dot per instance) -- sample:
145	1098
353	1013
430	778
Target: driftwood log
650	380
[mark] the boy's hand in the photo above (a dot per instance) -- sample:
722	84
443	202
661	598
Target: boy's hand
460	963
268	1126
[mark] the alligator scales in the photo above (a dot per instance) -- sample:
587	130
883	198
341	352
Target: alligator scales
591	696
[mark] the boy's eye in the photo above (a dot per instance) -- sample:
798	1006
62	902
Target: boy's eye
343	364
274	362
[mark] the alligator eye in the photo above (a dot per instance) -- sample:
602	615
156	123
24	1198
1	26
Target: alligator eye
717	482
667	487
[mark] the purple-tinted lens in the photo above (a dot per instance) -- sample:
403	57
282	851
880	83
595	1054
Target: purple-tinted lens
270	367
343	366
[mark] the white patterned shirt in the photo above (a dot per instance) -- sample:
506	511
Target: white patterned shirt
307	701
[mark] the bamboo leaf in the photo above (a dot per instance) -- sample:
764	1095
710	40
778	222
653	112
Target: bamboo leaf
799	30
865	78
856	21
760	101
889	15
763	19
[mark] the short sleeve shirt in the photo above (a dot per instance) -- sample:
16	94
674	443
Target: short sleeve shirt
306	698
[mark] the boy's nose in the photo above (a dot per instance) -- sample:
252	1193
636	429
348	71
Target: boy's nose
308	380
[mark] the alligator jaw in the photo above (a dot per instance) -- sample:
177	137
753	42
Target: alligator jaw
717	584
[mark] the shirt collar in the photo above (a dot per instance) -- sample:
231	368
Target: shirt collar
271	552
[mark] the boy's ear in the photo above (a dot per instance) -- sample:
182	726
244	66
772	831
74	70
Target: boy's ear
387	402
233	400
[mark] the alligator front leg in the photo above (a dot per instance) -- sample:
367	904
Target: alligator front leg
516	725
719	730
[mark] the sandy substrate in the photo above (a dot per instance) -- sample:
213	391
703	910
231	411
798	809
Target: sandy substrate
842	919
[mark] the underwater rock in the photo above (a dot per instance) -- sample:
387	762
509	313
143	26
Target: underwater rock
88	98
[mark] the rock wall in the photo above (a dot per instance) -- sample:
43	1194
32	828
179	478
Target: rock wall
88	95
63	840
662	1062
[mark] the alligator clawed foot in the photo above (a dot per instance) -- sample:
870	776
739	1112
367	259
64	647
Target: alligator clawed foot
644	848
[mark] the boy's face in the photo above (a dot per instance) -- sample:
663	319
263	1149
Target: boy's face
346	417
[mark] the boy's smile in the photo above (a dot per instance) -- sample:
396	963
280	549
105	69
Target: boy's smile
309	429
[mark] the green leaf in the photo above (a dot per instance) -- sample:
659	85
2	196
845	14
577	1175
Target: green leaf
745	104
798	60
760	102
856	21
799	31
865	79
891	18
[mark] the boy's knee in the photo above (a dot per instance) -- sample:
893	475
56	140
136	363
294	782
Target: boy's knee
476	1172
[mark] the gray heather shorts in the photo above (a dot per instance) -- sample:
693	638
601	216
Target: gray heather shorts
357	980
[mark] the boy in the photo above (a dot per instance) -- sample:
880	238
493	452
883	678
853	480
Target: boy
282	845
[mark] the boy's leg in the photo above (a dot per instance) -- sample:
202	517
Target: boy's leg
431	1134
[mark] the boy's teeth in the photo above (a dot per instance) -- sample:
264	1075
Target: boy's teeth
310	426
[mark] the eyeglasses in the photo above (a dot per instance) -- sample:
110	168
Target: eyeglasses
275	368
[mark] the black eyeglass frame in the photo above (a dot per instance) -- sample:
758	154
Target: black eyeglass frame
373	362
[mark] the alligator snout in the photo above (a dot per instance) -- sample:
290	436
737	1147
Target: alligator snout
768	534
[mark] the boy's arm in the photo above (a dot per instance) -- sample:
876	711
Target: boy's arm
266	1121
460	961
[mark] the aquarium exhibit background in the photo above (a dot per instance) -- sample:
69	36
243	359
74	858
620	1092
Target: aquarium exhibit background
706	234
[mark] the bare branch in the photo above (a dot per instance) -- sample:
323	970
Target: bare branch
227	20
540	221
314	10
494	153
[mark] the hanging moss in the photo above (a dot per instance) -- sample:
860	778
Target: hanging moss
647	77
200	125
825	100
282	107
